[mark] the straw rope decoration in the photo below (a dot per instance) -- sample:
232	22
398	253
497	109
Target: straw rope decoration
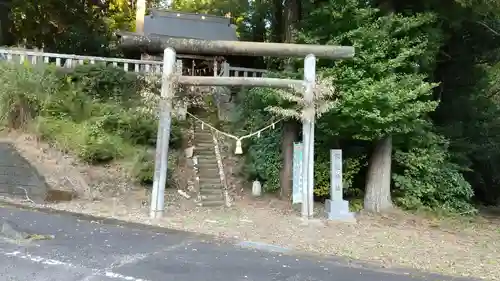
239	149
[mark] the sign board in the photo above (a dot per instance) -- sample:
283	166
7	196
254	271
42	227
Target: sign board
298	149
336	175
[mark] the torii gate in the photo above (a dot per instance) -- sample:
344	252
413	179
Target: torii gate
221	48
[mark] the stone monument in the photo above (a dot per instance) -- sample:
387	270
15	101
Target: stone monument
336	207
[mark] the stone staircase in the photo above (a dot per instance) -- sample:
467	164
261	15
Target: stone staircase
211	188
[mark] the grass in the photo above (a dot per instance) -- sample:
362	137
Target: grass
88	141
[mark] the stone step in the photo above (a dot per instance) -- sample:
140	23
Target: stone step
210	174
208	193
211	192
204	139
205	152
198	133
206	155
211	197
212	203
208	168
208	165
204	145
211	187
208	186
207	158
210	180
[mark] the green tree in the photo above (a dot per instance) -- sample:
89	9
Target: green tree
80	27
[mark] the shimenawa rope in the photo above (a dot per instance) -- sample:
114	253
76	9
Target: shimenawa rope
238	149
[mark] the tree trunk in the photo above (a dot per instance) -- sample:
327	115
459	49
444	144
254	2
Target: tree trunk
259	22
289	136
378	180
139	15
277	28
290	129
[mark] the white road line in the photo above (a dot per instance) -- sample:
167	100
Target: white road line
53	262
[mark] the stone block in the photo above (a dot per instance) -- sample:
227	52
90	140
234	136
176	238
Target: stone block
338	210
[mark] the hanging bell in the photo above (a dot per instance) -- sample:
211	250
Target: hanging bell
238	150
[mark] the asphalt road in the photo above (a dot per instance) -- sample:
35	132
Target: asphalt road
85	250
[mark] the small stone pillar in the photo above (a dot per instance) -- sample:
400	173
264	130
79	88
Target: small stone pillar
256	188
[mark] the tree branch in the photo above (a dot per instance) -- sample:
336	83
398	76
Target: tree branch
489	28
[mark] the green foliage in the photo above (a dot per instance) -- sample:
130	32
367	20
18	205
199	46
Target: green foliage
427	177
71	27
24	92
384	89
144	167
475	131
263	159
322	179
381	90
106	83
237	9
95	113
87	139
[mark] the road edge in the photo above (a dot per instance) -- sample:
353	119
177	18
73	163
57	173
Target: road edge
342	261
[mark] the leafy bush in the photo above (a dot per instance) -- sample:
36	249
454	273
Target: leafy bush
264	160
69	103
428	179
105	83
322	177
134	125
144	167
87	140
24	92
263	155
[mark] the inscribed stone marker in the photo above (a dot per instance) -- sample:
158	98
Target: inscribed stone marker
336	174
336	207
297	172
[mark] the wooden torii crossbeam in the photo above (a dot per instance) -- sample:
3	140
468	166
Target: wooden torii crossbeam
156	44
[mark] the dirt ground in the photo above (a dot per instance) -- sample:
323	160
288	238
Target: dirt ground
459	247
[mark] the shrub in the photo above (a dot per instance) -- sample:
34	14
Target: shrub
144	167
425	177
264	160
106	83
24	92
134	125
69	102
87	140
322	175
